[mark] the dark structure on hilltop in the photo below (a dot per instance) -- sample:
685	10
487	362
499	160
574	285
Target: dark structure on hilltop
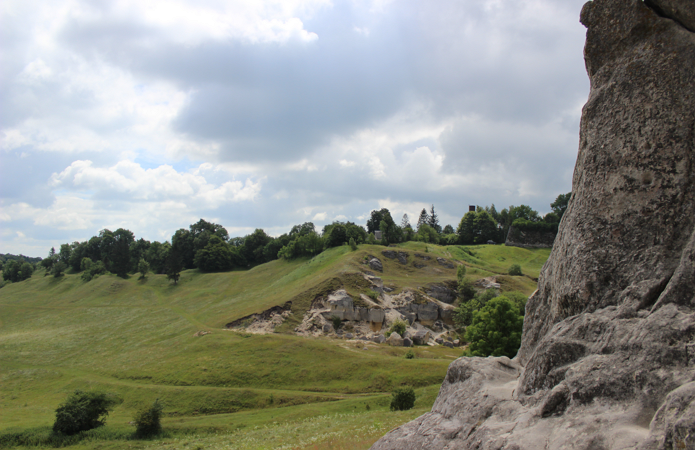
607	359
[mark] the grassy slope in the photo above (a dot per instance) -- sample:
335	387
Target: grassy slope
135	338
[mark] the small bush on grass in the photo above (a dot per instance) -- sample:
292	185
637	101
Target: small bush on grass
495	329
403	399
410	355
148	420
82	411
515	270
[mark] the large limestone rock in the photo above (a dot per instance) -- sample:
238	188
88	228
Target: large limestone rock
608	351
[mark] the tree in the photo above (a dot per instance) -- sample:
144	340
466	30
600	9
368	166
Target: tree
17	270
120	252
174	265
433	220
402	399
59	269
148	420
560	204
143	267
495	329
183	242
82	411
423	219
448	230
485	228
466	229
515	270
405	222
375	219
253	246
216	256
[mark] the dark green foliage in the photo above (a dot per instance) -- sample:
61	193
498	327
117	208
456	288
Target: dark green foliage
463	314
426	233
148	420
252	250
353	244
143	267
174	265
515	270
215	257
59	269
92	270
518	299
423	219
527	225
410	355
448	230
402	399
551	218
560	204
433	220
183	242
398	326
466	289
82	411
495	330
335	236
157	256
17	270
337	322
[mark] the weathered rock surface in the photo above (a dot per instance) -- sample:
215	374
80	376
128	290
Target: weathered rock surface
441	292
375	264
402	257
608	349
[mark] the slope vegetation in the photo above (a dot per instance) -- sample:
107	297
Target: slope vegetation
143	339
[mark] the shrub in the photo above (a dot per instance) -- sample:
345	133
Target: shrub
353	244
93	270
495	329
82	411
466	289
398	326
337	322
59	269
515	270
148	420
403	399
143	267
410	354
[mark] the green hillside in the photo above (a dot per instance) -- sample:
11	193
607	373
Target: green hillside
139	340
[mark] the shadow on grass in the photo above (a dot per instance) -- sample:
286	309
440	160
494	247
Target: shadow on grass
45	437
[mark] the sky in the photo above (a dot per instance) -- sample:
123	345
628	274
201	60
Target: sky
149	115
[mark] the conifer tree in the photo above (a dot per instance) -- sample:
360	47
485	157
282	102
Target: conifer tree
424	218
433	220
405	222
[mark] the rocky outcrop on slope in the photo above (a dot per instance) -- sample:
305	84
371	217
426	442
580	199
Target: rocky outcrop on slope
608	351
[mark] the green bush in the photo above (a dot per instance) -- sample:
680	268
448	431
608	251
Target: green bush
93	270
495	329
403	399
82	411
353	244
466	289
398	326
515	270
410	355
337	322
148	420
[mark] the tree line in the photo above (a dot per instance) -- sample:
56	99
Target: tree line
208	247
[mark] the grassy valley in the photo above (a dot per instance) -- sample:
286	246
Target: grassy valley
142	339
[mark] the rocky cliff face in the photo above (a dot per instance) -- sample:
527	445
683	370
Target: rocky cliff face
608	350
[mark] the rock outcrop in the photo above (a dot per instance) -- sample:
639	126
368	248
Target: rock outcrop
608	348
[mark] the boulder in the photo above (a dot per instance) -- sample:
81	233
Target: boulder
428	313
422	337
606	359
439	340
395	340
328	328
442	293
375	264
448	344
379	339
407	342
341	306
376	315
445	263
349	335
402	257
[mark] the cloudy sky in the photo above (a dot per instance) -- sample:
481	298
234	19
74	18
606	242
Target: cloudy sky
149	115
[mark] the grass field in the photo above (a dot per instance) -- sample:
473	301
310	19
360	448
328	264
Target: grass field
137	340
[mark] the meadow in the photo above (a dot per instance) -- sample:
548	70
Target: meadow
140	340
